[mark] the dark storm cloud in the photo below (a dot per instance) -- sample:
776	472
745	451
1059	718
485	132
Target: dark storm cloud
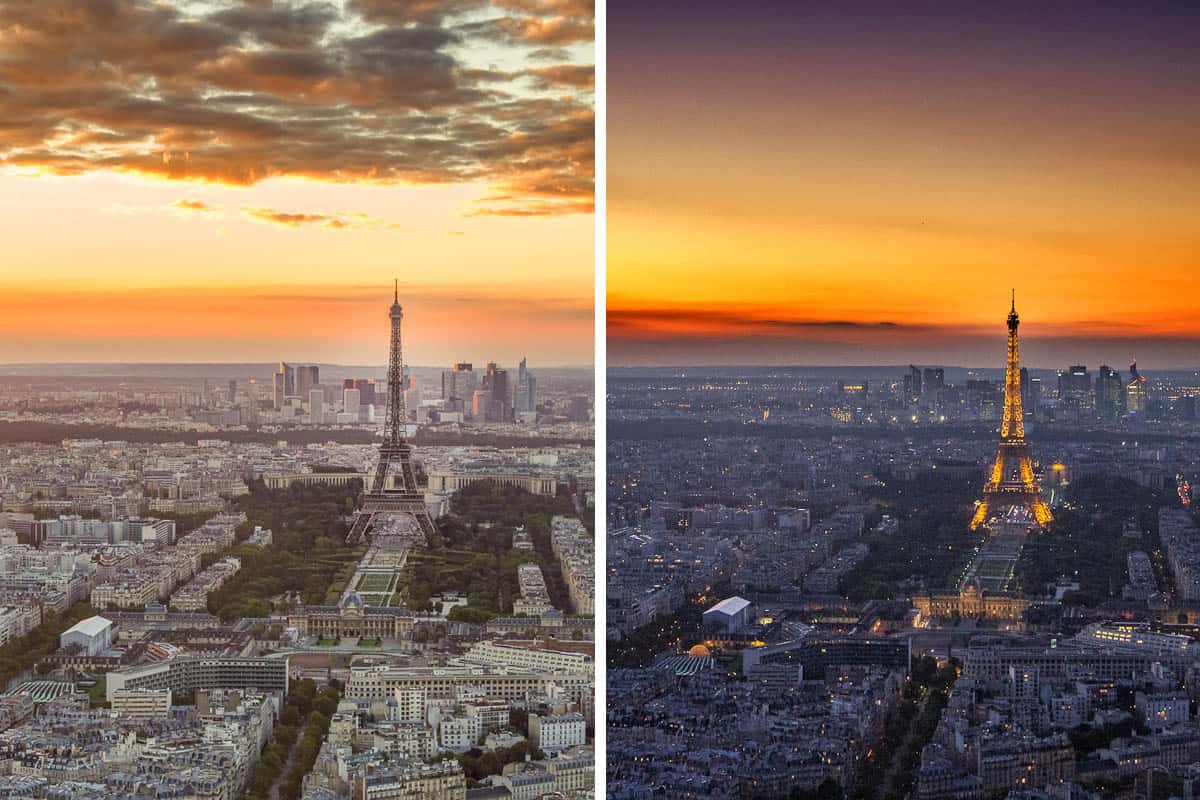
262	90
278	25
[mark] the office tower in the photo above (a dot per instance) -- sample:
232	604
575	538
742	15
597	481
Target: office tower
500	405
285	384
316	405
1033	393
307	377
232	391
525	399
1075	384
481	401
912	384
458	387
1135	391
502	396
352	402
1110	394
366	390
1011	486
933	380
365	387
531	392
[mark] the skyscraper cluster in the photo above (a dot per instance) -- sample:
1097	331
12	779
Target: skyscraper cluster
295	381
492	396
1109	397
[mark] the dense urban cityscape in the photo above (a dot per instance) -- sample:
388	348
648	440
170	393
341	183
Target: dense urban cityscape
216	582
924	582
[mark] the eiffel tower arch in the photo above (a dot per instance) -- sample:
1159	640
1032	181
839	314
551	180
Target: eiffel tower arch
1011	491
394	485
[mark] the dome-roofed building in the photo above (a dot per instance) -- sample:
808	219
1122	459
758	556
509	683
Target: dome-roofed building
699	651
352	618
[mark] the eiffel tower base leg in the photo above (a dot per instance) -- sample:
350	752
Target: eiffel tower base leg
366	518
359	529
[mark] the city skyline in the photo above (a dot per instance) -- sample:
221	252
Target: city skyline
825	183
220	169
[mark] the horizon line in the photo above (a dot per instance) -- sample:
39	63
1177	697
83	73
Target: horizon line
731	365
382	365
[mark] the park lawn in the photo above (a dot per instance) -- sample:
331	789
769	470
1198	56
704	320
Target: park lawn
97	694
375	583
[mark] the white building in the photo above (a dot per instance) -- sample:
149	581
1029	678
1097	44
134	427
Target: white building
527	785
557	732
459	733
407	705
142	703
728	616
535	658
16	621
1162	711
413	781
316	406
93	635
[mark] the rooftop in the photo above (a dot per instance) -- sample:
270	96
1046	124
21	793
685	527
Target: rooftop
730	605
92	626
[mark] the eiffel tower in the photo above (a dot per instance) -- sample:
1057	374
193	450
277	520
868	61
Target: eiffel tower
1011	490
395	454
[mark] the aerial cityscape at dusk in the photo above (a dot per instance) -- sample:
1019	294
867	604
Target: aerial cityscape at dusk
902	381
927	582
297	457
837	439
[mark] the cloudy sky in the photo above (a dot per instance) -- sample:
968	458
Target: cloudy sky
858	183
209	181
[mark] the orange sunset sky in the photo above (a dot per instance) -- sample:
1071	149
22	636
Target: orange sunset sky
864	183
194	181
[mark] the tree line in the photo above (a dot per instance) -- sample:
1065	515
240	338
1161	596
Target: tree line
293	746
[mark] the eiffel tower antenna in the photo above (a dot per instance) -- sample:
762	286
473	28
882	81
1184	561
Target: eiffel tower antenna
1011	482
402	495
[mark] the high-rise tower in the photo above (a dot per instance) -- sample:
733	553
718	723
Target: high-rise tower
395	454
1135	391
1011	488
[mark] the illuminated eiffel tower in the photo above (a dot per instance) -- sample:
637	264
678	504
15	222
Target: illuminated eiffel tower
1011	488
401	496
